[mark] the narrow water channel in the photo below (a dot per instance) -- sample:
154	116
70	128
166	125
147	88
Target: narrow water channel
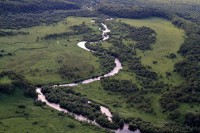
104	110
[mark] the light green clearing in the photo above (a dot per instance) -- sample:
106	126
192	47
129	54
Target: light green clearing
5	80
169	38
31	55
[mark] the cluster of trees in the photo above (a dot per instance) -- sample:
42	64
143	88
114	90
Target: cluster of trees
57	35
68	73
141	102
143	36
81	29
4	53
92	37
147	127
12	33
122	86
193	120
75	30
18	81
140	70
135	97
24	20
78	104
107	61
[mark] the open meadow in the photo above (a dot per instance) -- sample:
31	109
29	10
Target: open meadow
39	60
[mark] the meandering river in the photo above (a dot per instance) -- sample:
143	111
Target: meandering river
104	110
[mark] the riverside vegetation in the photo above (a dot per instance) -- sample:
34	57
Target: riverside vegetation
157	90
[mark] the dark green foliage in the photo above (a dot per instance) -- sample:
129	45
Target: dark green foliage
24	20
140	101
143	36
192	120
12	33
174	115
71	125
131	12
122	86
69	72
35	6
18	81
171	56
147	127
22	106
104	122
92	37
78	104
107	61
75	30
136	66
6	88
39	103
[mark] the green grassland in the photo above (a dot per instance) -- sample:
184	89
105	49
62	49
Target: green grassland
32	58
109	99
5	80
35	119
169	38
39	60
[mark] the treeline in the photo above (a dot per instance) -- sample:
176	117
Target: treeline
18	82
69	73
131	11
193	120
136	66
143	36
92	37
80	105
12	33
147	127
36	6
107	60
75	30
121	86
24	20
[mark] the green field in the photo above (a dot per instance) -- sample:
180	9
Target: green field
32	58
5	80
169	38
35	119
39	60
98	94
